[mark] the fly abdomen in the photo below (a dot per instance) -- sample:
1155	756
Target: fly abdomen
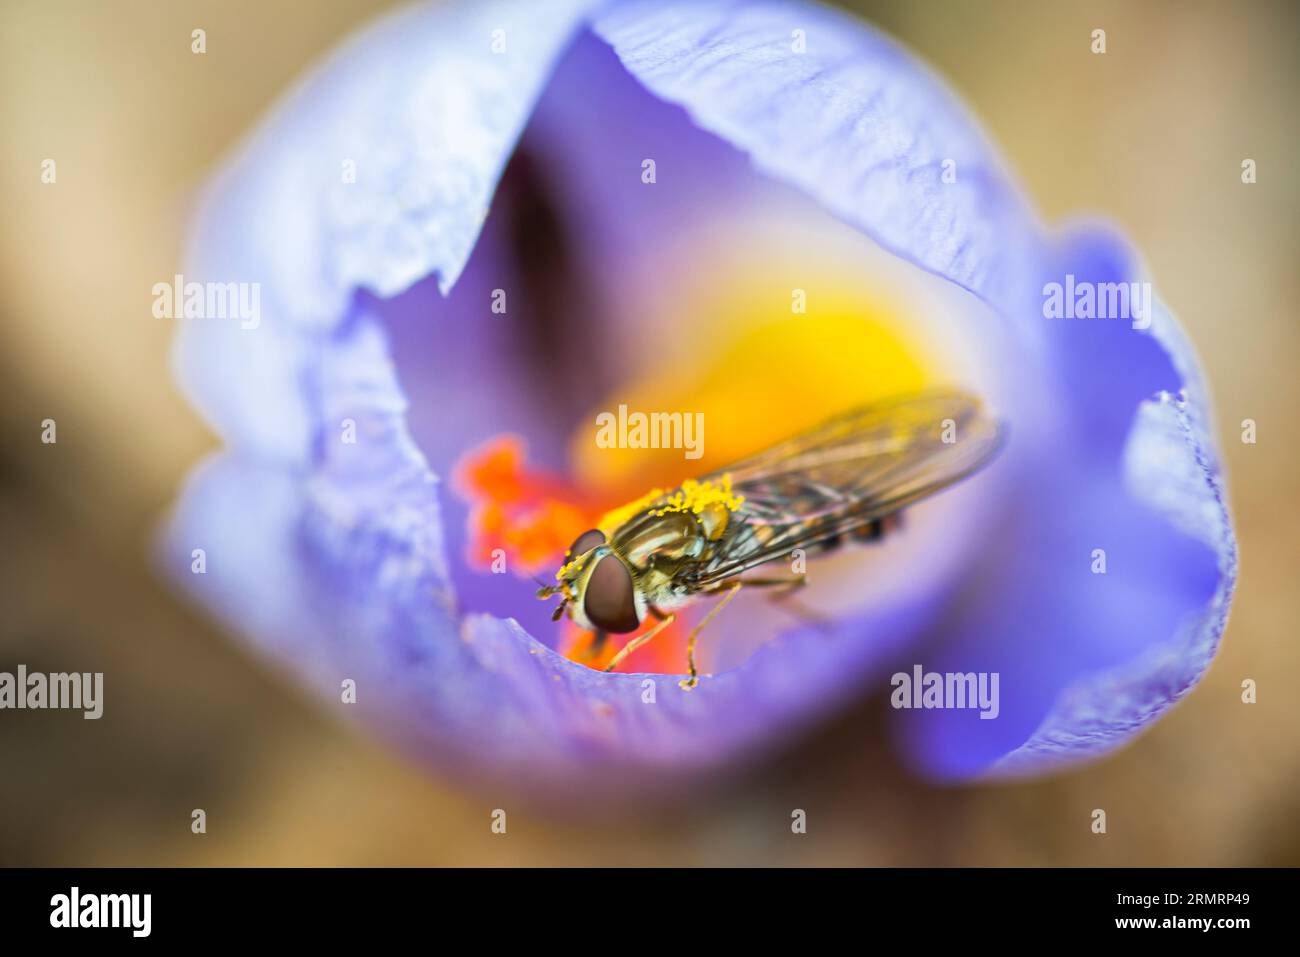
865	534
831	542
872	531
877	528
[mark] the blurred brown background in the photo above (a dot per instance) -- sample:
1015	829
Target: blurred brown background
1152	133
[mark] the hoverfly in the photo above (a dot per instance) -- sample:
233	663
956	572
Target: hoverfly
845	479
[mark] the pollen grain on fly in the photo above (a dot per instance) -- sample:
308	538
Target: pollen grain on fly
693	495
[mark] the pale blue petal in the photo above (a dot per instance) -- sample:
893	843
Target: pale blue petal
425	113
856	122
1086	660
1167	466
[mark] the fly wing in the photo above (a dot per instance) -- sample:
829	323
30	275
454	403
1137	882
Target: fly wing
850	470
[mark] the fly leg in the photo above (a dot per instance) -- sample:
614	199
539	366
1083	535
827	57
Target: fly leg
637	642
792	583
596	645
694	678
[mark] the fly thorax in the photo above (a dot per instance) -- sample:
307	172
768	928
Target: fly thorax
662	540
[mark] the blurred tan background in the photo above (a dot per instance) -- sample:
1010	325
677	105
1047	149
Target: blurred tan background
1152	133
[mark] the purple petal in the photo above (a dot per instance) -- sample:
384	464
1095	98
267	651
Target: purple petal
1085	660
854	121
1167	468
428	114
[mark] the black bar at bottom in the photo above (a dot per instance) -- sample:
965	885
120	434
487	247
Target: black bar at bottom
332	905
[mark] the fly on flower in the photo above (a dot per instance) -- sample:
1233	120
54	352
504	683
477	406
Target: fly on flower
846	479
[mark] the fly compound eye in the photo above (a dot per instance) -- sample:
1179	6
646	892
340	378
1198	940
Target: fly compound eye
585	543
610	597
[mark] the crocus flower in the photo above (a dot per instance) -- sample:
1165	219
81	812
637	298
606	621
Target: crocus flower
477	227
